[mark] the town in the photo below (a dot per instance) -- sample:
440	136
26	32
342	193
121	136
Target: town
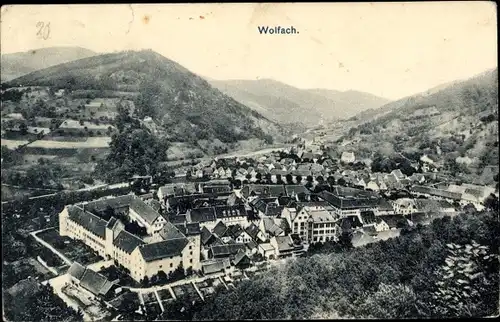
230	219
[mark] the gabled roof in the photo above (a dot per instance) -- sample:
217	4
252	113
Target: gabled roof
271	227
93	281
384	205
206	235
394	221
202	215
251	245
227	250
234	231
89	221
263	190
189	229
252	231
284	243
220	229
349	202
163	249
292	190
240	256
76	270
216	267
127	242
170	231
437	192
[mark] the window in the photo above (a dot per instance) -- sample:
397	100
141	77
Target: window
171	265
191	260
161	266
190	247
191	253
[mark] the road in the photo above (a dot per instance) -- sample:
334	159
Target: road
57	284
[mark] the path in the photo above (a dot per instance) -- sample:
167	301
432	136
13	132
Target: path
97	266
55	251
57	284
167	286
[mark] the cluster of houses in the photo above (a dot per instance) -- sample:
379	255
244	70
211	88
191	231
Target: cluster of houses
213	226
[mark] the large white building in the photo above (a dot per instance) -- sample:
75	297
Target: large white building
164	249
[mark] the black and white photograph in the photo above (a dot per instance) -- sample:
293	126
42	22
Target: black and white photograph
250	161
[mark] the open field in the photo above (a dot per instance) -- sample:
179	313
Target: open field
91	142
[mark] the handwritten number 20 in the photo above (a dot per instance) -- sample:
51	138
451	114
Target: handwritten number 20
43	30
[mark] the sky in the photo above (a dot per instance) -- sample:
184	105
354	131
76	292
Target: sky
388	49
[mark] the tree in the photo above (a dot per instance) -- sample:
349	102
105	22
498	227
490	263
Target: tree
342	182
289	179
299	179
331	180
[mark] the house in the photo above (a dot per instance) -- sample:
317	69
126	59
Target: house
238	234
252	247
321	227
349	201
92	281
251	191
217	266
394	221
232	215
348	157
220	230
269	228
205	216
430	205
266	207
267	250
256	234
372	185
435	193
404	206
241	260
398	174
283	246
384	208
226	251
207	238
298	192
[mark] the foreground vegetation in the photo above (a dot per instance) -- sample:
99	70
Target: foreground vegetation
447	269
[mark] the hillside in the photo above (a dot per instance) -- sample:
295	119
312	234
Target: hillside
184	106
288	104
456	125
17	64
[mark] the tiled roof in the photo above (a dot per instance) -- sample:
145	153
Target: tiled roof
251	245
89	221
163	249
206	235
394	221
321	216
271	227
127	242
170	231
384	205
216	189
216	267
252	230
437	192
296	189
264	190
234	231
285	243
220	229
190	229
349	202
76	270
239	257
93	281
111	223
227	250
202	215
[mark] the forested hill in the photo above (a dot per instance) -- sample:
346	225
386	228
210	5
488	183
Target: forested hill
457	123
179	101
